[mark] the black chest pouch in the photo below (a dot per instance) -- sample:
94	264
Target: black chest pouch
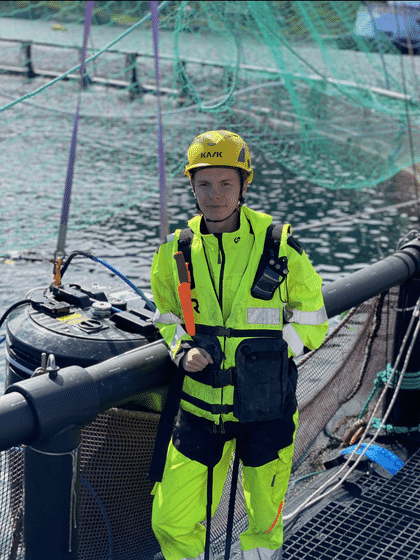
261	379
272	271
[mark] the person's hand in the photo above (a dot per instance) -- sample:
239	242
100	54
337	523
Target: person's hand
196	359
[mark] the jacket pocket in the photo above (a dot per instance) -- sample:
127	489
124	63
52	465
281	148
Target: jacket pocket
261	379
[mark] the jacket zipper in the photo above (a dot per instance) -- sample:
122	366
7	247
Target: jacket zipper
222	271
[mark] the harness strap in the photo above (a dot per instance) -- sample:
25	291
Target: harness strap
240	333
216	378
212	408
165	428
231	511
272	242
208	513
184	245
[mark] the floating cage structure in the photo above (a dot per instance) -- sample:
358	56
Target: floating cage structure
116	449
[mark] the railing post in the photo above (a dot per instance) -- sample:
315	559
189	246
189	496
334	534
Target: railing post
51	497
86	81
182	83
405	412
27	59
134	89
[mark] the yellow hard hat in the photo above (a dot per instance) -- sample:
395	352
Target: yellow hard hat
219	148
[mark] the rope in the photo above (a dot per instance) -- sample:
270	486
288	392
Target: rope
164	228
75	68
188	82
74	454
410	382
105	515
317	495
375	325
379	42
72	157
390	428
22	302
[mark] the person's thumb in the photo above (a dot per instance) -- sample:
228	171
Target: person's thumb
206	355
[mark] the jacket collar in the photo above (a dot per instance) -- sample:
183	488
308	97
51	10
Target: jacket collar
258	220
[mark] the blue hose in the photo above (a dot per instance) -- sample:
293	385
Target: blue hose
149	303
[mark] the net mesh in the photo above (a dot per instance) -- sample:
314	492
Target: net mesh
335	108
115	499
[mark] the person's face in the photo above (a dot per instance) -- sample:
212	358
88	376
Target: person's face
217	191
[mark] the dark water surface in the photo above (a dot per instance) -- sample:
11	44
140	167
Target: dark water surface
128	241
129	238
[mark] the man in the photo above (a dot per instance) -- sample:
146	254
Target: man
239	383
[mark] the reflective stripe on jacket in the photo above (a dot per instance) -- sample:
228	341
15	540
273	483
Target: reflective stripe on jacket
224	268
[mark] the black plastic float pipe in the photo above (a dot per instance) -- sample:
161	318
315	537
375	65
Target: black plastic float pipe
46	413
377	278
38	408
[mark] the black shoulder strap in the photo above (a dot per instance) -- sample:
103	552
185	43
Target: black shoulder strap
184	245
273	237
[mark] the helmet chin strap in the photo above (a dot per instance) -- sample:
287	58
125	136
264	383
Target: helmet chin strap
217	221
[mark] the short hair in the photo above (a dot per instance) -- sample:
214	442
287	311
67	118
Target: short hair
243	174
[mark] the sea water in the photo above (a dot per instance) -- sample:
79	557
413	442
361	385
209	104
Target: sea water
128	241
358	227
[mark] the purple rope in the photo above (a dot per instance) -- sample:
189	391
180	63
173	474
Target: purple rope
72	156
161	160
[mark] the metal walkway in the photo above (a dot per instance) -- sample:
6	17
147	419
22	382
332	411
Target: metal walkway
379	519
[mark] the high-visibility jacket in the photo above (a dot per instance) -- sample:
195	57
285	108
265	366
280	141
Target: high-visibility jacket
224	266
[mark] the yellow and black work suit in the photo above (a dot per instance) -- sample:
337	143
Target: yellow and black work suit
253	371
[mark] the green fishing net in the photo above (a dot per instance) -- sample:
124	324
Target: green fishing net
291	78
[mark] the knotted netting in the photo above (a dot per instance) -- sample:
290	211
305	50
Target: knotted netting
337	109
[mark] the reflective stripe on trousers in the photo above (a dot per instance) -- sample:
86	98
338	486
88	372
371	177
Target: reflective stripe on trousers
201	557
255	554
262	554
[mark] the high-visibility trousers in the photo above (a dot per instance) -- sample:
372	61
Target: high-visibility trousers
180	503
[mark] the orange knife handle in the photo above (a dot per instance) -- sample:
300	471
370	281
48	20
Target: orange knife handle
186	304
